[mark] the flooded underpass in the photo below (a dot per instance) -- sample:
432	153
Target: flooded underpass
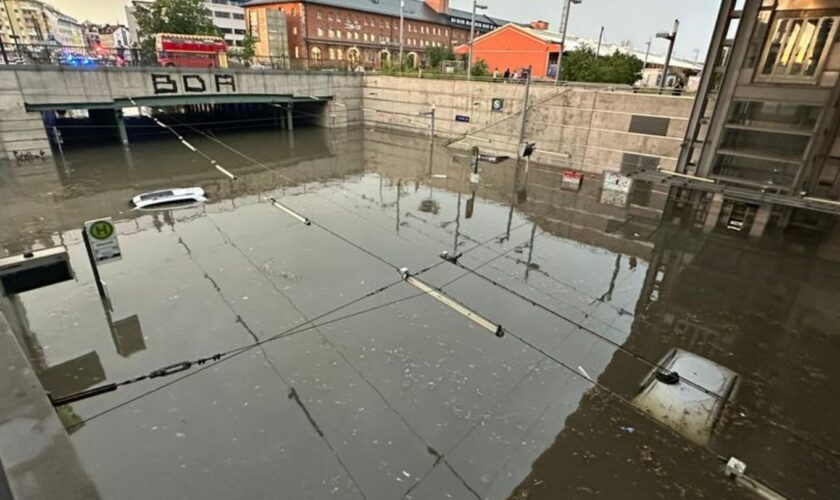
340	379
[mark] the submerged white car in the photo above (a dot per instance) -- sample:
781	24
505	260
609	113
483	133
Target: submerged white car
688	394
169	198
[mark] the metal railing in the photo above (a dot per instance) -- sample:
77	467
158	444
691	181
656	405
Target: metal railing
83	56
68	55
91	57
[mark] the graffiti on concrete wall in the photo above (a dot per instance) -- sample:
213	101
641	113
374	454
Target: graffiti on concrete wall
27	156
164	83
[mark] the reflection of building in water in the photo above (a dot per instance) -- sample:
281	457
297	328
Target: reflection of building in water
538	194
766	311
44	200
766	119
67	377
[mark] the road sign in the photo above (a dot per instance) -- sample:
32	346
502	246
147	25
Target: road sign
462	118
572	180
497	105
102	238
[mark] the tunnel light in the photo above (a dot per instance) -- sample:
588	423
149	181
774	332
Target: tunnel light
452	304
289	211
188	145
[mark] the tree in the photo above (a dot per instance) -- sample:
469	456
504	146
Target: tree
621	68
438	55
247	50
184	17
479	68
583	65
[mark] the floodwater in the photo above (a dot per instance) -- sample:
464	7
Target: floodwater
397	395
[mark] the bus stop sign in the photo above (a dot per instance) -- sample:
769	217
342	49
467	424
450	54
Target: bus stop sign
102	238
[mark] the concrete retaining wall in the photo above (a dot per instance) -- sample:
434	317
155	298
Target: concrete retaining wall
22	134
579	127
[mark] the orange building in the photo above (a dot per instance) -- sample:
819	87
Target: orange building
516	47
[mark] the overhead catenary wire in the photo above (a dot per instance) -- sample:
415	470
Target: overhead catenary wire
724	400
202	361
174	369
201	364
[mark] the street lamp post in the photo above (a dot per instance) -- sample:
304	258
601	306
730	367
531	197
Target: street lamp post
472	36
671	37
567	7
402	27
600	39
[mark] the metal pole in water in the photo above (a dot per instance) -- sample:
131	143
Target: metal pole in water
525	111
58	142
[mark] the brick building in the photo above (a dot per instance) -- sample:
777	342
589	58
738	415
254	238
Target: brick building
367	32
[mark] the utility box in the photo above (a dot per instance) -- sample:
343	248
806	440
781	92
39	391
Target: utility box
32	270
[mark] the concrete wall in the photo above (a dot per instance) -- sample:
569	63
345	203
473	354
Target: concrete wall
582	127
61	88
388	99
22	134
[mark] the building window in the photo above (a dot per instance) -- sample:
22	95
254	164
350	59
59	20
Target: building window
297	52
319	32
294	30
339	54
338	33
254	24
315	53
320	15
332	54
330	16
356	35
222	15
239	17
797	48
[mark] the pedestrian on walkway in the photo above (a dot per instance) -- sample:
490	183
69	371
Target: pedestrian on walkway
495	75
507	74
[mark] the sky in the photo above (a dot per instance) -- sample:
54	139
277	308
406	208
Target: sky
634	20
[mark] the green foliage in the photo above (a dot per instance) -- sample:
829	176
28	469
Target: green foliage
479	68
248	50
184	17
583	65
437	55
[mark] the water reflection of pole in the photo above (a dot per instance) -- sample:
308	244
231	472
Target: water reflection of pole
457	226
531	251
608	296
509	222
129	160
60	143
399	194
